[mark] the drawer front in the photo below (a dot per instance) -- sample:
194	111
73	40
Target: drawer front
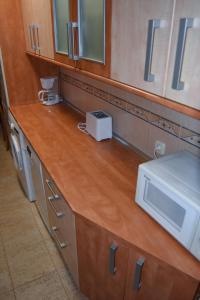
62	225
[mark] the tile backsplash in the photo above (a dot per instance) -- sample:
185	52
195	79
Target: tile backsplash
136	120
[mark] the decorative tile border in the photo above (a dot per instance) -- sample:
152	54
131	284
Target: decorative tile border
173	128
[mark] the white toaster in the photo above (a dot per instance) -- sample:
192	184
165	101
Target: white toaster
99	125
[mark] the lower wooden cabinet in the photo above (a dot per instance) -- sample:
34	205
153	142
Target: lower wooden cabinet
148	278
109	269
102	261
62	225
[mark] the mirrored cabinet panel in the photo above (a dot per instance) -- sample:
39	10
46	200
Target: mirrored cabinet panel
91	20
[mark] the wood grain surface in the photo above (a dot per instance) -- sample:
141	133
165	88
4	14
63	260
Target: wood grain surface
96	281
98	180
22	74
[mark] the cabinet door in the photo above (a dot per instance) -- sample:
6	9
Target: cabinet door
184	66
94	21
36	172
62	225
63	11
102	266
140	42
27	14
149	278
44	28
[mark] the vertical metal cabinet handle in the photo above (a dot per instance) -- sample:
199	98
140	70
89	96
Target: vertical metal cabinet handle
75	55
61	244
57	213
71	40
37	38
34	37
112	255
35	30
153	24
185	24
138	274
31	36
56	196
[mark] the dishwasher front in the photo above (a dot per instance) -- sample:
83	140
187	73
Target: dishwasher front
36	171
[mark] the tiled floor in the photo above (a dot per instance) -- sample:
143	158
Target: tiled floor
30	266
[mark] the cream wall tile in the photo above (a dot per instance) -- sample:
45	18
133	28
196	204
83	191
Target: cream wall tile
130	128
141	102
161	110
190	123
165	112
155	133
98	84
119	93
188	147
73	95
86	102
134	130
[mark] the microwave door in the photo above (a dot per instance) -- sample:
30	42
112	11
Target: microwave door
168	209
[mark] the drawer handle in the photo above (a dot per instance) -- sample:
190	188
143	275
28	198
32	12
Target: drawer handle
37	38
138	273
61	244
112	258
57	213
153	25
49	183
185	24
34	37
69	38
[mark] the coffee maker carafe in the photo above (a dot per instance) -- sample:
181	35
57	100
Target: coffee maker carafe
49	94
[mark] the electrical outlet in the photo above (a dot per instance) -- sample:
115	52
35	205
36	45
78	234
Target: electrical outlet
160	147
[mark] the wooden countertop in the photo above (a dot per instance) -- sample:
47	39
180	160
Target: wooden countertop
98	180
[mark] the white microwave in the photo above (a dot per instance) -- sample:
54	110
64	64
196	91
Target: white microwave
168	189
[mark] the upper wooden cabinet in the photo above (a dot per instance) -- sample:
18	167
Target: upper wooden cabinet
183	79
112	269
27	12
82	34
155	47
38	27
140	42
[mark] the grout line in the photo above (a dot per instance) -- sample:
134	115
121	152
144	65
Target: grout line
46	247
9	271
56	270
